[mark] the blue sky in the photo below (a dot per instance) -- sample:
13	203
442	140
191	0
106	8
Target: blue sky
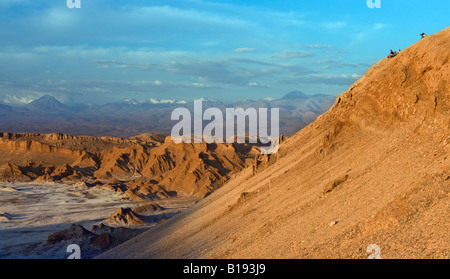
187	49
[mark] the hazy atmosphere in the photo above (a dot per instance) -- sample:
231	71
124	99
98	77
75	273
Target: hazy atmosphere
224	50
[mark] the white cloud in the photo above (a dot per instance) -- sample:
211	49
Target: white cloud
378	26
166	101
288	54
19	100
334	25
257	84
244	49
324	78
269	99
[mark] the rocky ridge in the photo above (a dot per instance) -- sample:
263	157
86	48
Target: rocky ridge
144	167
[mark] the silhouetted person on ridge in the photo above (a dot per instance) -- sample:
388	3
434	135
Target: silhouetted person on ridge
392	54
423	35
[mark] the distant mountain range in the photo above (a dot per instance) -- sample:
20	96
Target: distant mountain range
129	117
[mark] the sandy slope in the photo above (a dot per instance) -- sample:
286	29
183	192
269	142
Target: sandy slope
375	169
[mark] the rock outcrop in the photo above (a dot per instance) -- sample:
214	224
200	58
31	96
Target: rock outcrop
144	167
91	243
125	216
75	232
151	207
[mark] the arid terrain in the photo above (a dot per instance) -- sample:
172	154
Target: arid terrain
143	167
40	220
58	189
231	138
374	169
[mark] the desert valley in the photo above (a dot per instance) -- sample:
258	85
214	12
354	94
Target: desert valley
373	169
52	180
226	139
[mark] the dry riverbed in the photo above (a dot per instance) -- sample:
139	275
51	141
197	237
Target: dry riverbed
29	213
